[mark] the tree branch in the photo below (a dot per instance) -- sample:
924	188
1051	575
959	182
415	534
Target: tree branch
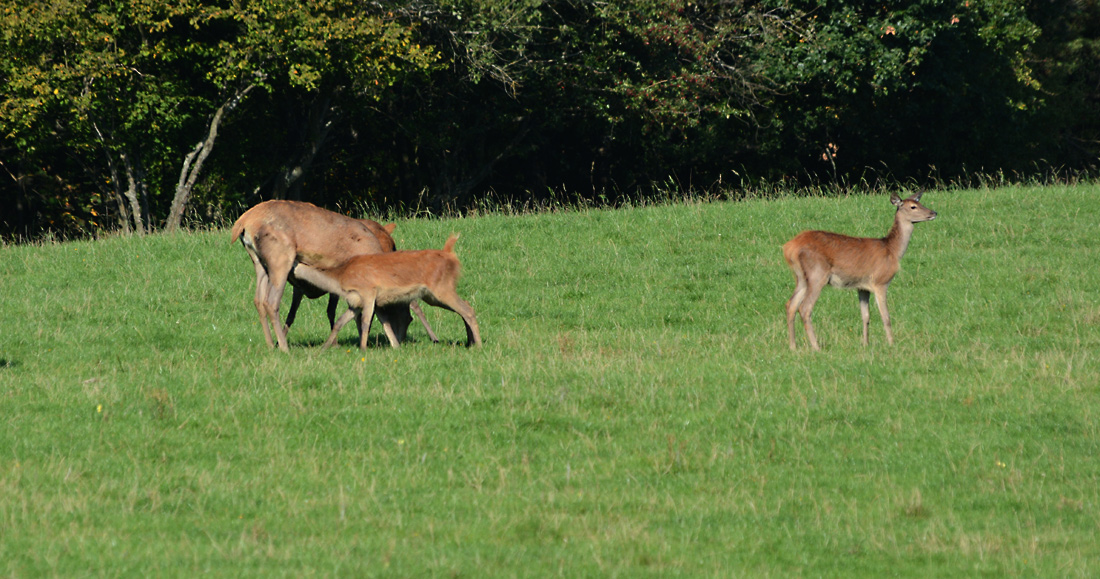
192	164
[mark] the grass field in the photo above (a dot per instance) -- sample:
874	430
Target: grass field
635	410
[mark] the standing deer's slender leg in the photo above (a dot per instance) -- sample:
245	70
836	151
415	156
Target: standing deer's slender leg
388	326
295	302
395	322
806	311
423	320
276	285
800	287
793	304
348	315
817	274
880	300
865	312
262	285
451	301
333	303
366	317
274	258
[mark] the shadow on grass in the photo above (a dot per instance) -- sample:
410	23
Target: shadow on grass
377	341
6	363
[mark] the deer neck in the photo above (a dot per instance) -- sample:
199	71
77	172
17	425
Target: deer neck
897	240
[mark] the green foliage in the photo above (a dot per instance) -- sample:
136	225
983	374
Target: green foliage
904	87
635	410
102	81
443	104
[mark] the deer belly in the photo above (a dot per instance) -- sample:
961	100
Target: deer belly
400	295
839	280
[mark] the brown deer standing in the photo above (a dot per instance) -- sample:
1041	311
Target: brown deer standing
861	263
277	234
385	283
384	234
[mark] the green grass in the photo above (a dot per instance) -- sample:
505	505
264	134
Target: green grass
635	410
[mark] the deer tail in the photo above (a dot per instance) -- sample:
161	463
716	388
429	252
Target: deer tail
449	247
238	229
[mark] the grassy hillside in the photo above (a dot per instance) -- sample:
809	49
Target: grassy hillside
635	410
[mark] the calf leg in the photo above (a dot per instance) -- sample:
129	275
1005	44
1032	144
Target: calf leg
366	317
344	319
333	303
423	320
449	299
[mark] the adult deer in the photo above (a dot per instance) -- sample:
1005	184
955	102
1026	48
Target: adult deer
278	234
861	263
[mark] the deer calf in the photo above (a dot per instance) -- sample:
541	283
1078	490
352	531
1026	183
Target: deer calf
385	284
384	234
864	264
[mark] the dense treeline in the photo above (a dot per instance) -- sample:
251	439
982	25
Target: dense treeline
137	115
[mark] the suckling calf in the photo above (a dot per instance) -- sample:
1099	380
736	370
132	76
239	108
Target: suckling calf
385	284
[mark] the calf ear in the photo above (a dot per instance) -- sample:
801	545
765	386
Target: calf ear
895	199
389	227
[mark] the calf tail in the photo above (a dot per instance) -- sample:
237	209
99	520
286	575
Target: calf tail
449	247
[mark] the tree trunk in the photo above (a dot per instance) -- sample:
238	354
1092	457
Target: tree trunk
192	164
116	183
133	182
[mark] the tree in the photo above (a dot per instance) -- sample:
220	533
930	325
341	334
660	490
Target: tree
129	86
901	88
586	96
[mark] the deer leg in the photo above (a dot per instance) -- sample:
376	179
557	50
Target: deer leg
387	316
423	320
295	302
395	322
366	316
274	255
333	303
262	285
451	301
816	277
792	307
865	312
805	311
336	325
880	300
278	279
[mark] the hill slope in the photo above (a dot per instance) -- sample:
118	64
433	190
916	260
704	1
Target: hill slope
635	408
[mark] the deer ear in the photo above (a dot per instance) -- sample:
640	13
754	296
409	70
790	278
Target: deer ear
895	199
917	196
389	227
